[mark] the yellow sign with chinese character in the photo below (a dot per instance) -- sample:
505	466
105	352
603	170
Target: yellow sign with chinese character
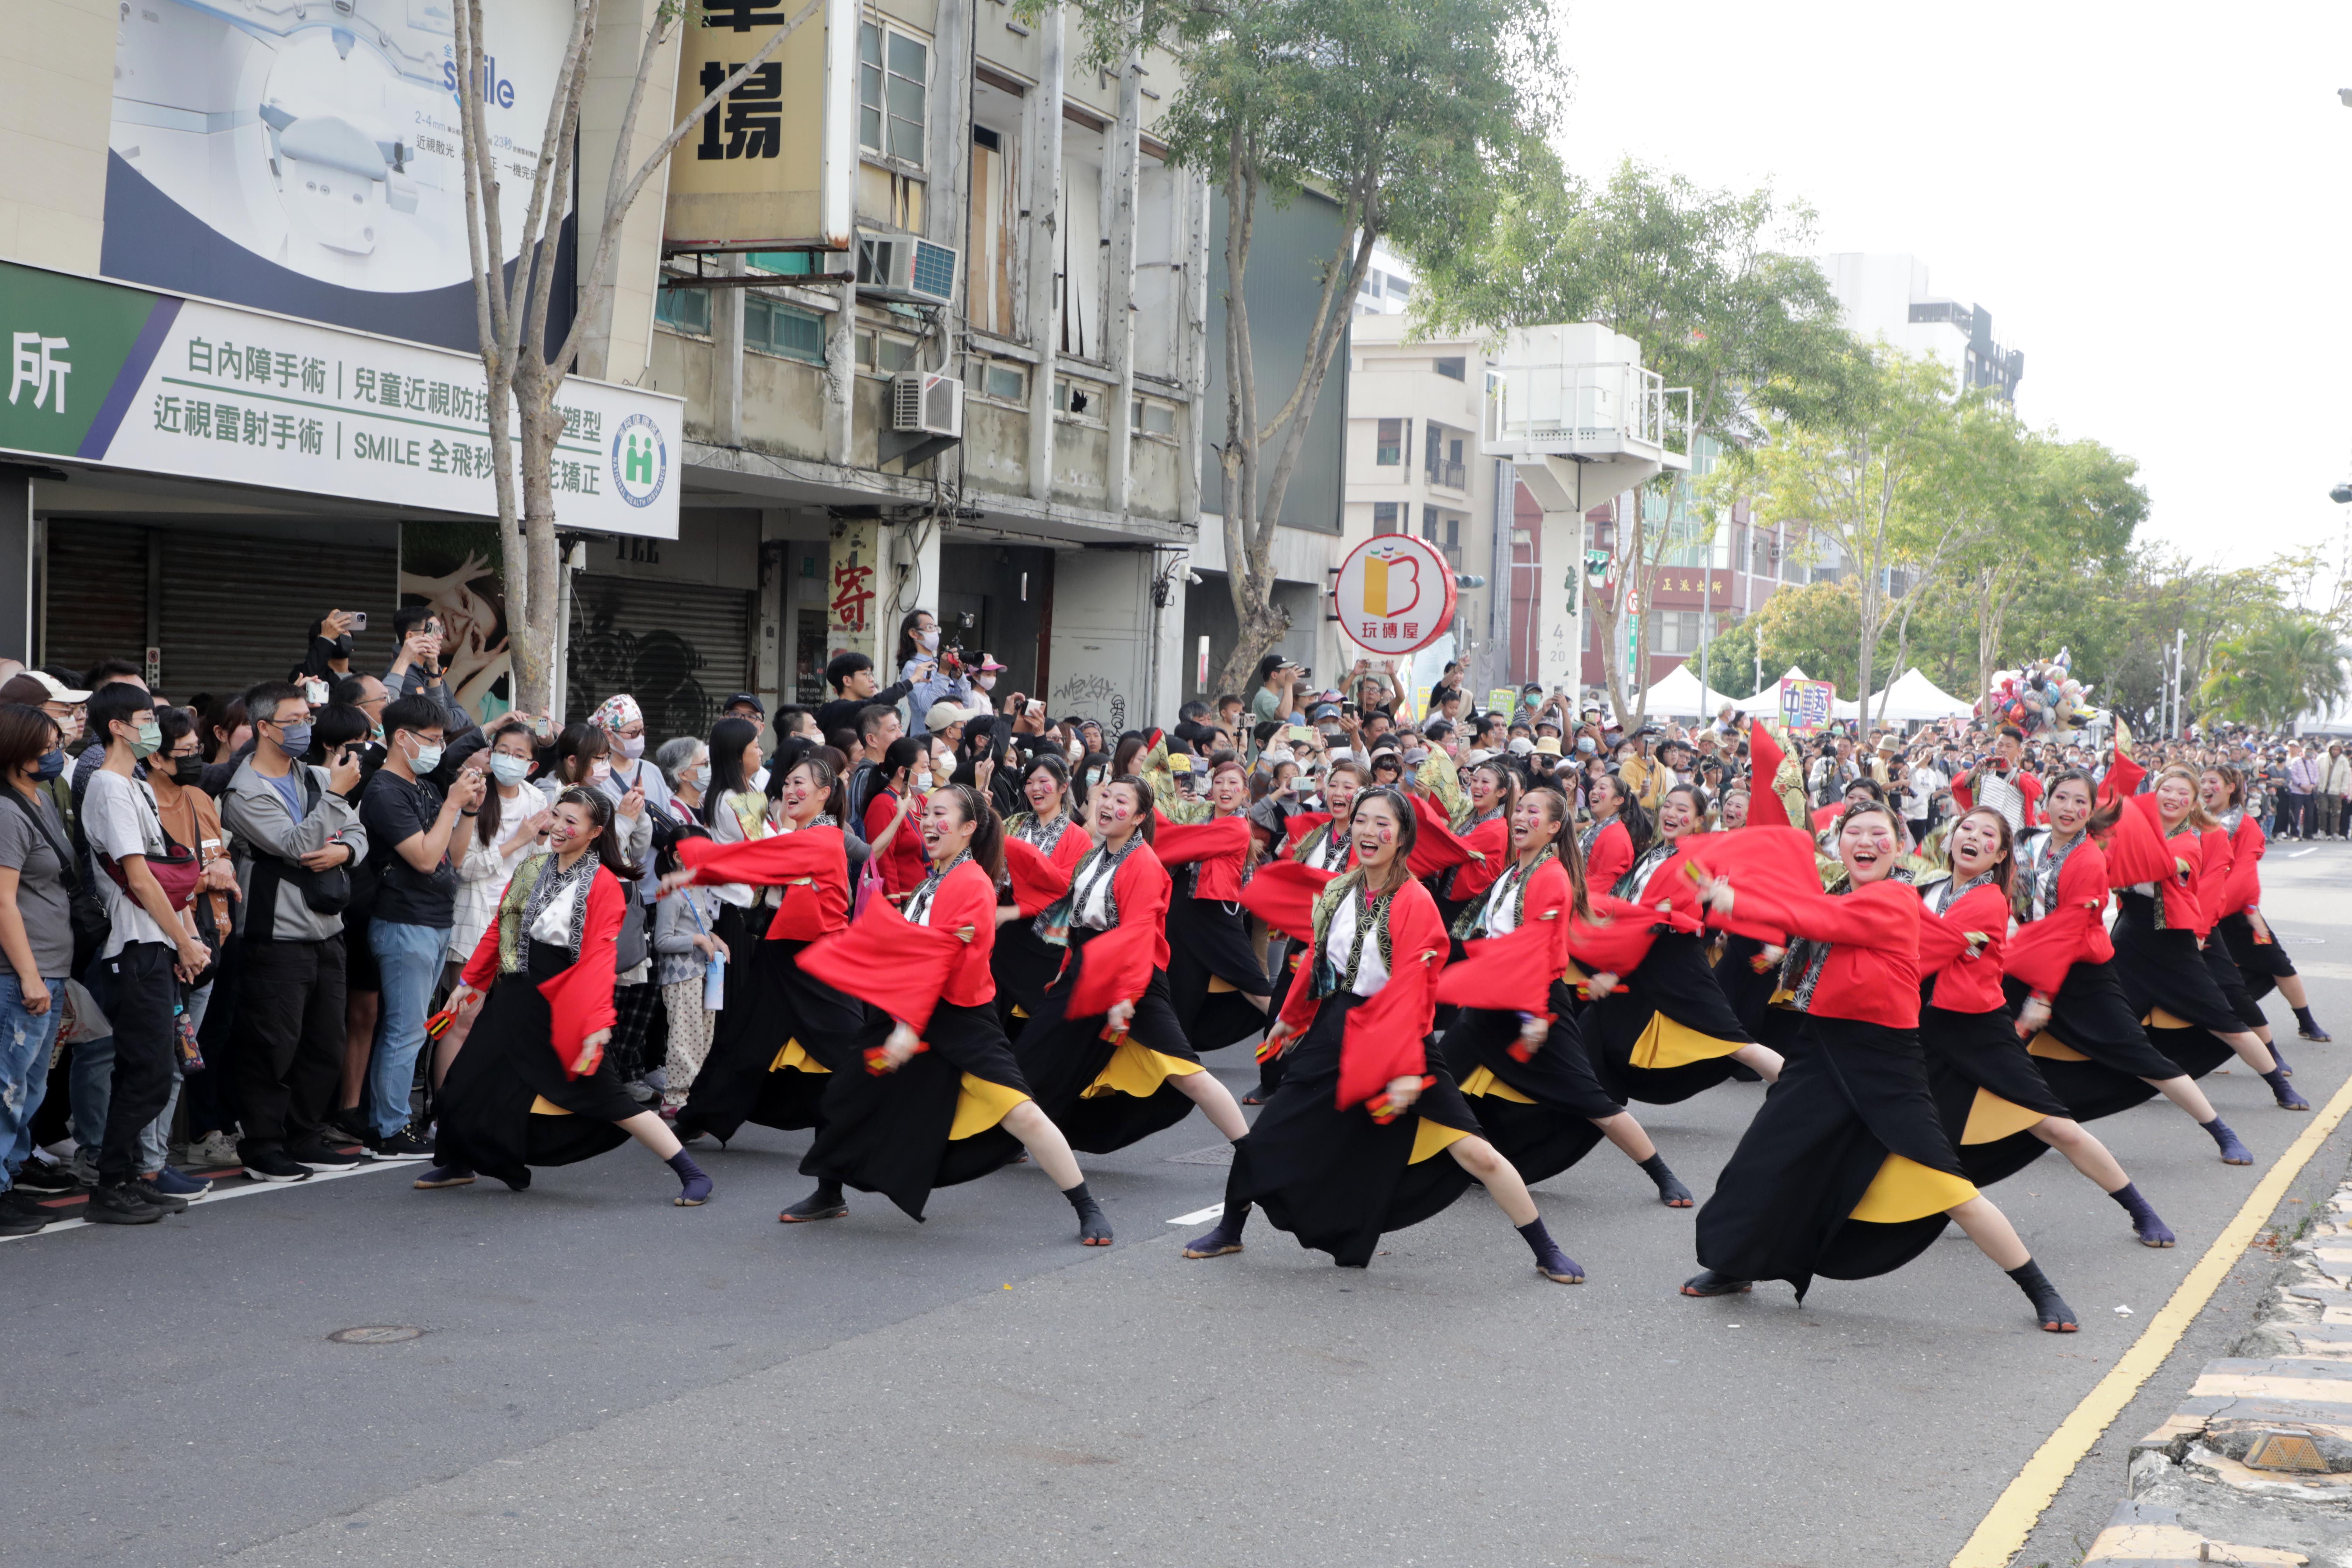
772	165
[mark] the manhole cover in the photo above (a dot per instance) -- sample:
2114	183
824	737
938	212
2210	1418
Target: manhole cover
374	1334
1215	1154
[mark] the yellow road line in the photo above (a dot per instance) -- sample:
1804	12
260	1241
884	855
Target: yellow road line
2012	1516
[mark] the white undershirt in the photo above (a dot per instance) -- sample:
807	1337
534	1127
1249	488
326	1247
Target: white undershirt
553	925
1095	912
1340	940
1500	918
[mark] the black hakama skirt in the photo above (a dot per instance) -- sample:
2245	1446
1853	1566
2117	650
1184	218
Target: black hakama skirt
781	1036
1337	1180
1104	1094
1748	988
1213	973
2166	984
935	1122
1023	964
2232	982
2262	963
1989	1093
1846	1172
1540	1113
2094	1054
1667	1032
507	1104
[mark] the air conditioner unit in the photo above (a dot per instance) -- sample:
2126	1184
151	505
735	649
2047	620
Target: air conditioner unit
924	401
901	266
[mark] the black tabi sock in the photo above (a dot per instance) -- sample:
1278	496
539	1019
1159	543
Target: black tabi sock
2135	1205
683	1163
2305	1021
1081	1200
2048	1304
1236	1215
828	1191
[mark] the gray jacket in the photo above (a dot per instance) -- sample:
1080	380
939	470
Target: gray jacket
411	682
675	926
256	817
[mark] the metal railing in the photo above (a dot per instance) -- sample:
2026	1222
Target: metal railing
1448	475
1607	408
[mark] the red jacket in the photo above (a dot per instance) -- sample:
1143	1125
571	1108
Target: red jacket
904	866
579	1000
1611	857
965	907
2183	892
1385	1035
1967	982
1871	972
1765	806
2245	886
1670	884
1219	846
1491	838
2072	932
811	867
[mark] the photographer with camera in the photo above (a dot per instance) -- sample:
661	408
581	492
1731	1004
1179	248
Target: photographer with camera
933	674
416	666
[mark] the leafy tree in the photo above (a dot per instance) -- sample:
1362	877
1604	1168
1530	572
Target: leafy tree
2288	666
1712	284
1406	112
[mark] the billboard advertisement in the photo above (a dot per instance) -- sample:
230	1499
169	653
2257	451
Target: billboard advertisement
133	379
304	158
1395	595
775	165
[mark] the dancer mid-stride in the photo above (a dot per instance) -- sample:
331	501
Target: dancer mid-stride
941	1099
533	1086
1367	1133
1846	1171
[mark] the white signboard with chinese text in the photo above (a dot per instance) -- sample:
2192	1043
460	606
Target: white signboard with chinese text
1395	594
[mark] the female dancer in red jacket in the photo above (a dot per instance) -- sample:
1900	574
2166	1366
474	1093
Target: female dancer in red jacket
533	1086
1348	1147
2256	962
1846	1171
1997	1110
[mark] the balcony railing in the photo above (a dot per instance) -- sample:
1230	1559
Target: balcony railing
1581	409
1449	476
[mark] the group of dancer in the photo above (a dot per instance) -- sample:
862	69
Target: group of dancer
1444	1001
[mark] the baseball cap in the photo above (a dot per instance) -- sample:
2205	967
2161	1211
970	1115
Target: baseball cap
1326	710
59	691
1520	746
943	713
1478	754
745	700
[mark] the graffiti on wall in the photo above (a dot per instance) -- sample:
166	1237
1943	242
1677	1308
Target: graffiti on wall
1090	697
659	668
453	567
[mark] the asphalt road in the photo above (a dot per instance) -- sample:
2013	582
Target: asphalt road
603	1378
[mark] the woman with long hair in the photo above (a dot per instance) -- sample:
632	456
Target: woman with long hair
1216	982
533	1086
1618	834
903	781
1667	1030
784	1031
1527	1072
1368	1132
1104	1055
1846	1172
1996	1109
1484	825
1319	841
1024	962
2061	978
946	1103
2257	960
2160	932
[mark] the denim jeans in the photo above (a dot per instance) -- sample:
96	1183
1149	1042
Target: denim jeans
26	1041
410	957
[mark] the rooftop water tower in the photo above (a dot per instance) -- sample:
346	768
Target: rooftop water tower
1574	411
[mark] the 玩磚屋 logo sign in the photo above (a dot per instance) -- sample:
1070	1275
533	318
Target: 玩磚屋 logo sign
1395	594
640	460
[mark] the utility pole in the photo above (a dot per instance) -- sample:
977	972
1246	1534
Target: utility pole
1707	623
2179	652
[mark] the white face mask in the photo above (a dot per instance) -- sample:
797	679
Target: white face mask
986	682
928	641
696	777
509	771
630	746
599	771
427	758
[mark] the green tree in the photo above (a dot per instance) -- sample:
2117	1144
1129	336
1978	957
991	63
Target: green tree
2286	667
1407	113
1712	284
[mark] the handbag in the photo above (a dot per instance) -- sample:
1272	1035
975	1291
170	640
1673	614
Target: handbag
869	886
176	871
629	947
83	908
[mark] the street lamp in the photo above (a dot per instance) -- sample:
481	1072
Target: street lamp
2342	494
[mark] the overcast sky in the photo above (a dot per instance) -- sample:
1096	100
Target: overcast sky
2154	202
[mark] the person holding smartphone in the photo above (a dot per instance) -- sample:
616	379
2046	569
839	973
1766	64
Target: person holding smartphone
417	667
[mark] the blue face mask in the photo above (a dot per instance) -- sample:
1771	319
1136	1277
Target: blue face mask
51	764
295	737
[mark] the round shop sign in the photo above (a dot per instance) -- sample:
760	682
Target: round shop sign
1395	594
640	460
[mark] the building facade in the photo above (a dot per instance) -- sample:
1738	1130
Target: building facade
1886	297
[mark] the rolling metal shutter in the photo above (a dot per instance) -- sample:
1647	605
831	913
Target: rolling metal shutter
681	650
238	609
94	594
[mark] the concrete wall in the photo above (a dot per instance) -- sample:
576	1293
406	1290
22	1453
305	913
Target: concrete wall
57	58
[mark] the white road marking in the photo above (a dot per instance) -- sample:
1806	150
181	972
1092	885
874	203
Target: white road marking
245	1192
1197	1216
2299	854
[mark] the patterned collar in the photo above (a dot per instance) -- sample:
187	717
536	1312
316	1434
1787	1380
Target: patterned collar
920	904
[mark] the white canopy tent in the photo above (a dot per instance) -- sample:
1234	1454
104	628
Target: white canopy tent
1766	703
1680	695
1915	699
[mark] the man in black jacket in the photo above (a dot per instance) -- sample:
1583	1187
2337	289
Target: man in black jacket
853	683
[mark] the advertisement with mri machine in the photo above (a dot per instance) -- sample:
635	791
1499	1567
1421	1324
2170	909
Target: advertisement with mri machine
303	156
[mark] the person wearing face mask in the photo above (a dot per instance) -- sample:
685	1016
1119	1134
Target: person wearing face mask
36	934
511	822
329	658
414	827
927	684
296	836
65	706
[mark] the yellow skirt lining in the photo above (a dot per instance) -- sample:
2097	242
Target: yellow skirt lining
1992	1118
1137	1069
792	1058
1666	1044
1482	1080
981	1105
1906	1190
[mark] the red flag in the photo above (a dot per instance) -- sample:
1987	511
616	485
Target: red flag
1765	806
887	960
1283	895
1112	968
1037	881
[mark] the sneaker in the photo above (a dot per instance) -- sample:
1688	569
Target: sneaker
212	1152
21	1216
120	1204
50	1180
399	1146
273	1166
438	1176
179	1183
318	1157
157	1198
640	1090
344	1127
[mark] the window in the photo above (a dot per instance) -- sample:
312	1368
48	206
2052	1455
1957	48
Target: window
1148	419
1400	288
1429	523
1384	518
787	263
774	327
1453	533
893	72
1452	368
687	310
1079	399
1371	289
1393	435
884	356
1675	631
1008	383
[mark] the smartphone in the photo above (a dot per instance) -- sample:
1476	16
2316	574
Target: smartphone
358	620
1302	732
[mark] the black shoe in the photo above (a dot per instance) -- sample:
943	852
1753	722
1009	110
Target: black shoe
52	1180
119	1204
344	1127
274	1166
156	1197
20	1215
318	1157
400	1146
